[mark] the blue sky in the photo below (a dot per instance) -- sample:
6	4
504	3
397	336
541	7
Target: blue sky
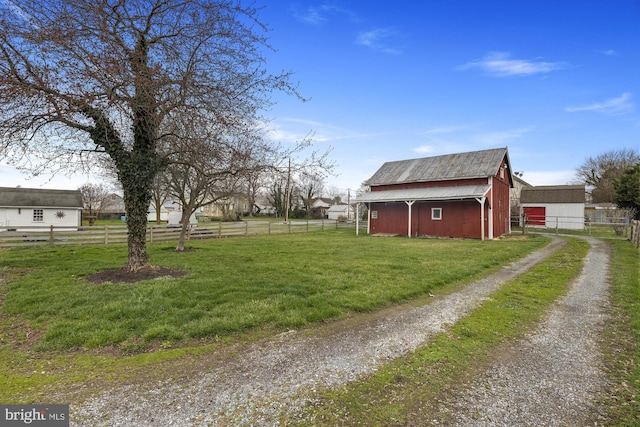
555	81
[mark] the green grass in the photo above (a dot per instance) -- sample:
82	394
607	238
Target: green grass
53	320
622	343
409	388
233	285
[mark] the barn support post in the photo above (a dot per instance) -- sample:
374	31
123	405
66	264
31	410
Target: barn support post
481	200
409	203
490	221
357	218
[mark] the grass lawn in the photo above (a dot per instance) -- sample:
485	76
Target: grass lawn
233	285
57	330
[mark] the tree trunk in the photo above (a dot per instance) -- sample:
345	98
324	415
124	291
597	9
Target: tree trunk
137	203
184	221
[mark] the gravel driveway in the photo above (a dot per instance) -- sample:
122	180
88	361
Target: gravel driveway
552	377
552	374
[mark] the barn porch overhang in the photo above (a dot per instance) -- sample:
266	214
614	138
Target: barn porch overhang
426	194
429	194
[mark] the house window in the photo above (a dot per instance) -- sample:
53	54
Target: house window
436	213
374	214
38	215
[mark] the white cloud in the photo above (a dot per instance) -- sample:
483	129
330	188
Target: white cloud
608	52
293	130
610	107
500	138
318	15
499	64
425	149
444	130
380	39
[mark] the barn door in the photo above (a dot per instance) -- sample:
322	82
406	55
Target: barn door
536	215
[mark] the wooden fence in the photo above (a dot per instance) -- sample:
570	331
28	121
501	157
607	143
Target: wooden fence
26	236
635	233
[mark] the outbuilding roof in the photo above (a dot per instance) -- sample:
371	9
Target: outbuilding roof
462	192
553	194
475	164
39	198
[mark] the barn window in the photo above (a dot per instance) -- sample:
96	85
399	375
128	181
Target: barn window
436	213
374	214
38	215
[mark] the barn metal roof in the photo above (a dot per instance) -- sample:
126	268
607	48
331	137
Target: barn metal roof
476	164
39	198
553	194
433	193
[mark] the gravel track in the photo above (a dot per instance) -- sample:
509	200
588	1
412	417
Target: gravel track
256	384
554	376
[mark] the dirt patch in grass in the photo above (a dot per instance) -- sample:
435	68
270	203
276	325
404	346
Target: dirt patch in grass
119	275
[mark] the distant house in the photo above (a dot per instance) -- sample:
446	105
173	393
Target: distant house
320	207
32	207
458	195
557	206
165	209
339	212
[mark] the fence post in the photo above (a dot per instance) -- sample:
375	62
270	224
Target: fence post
51	234
189	232
219	229
307	225
151	234
246	228
322	224
106	234
269	227
289	225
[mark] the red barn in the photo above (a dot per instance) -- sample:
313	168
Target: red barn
463	195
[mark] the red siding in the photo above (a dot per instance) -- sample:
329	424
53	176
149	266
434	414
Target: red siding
460	219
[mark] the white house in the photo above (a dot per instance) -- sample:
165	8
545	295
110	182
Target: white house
34	207
336	212
557	206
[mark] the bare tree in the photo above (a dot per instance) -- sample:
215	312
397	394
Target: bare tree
311	186
79	77
291	163
94	199
599	173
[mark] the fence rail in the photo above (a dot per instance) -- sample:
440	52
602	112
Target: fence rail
29	236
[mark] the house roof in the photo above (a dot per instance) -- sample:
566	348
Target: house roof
433	193
476	164
338	208
553	194
40	198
